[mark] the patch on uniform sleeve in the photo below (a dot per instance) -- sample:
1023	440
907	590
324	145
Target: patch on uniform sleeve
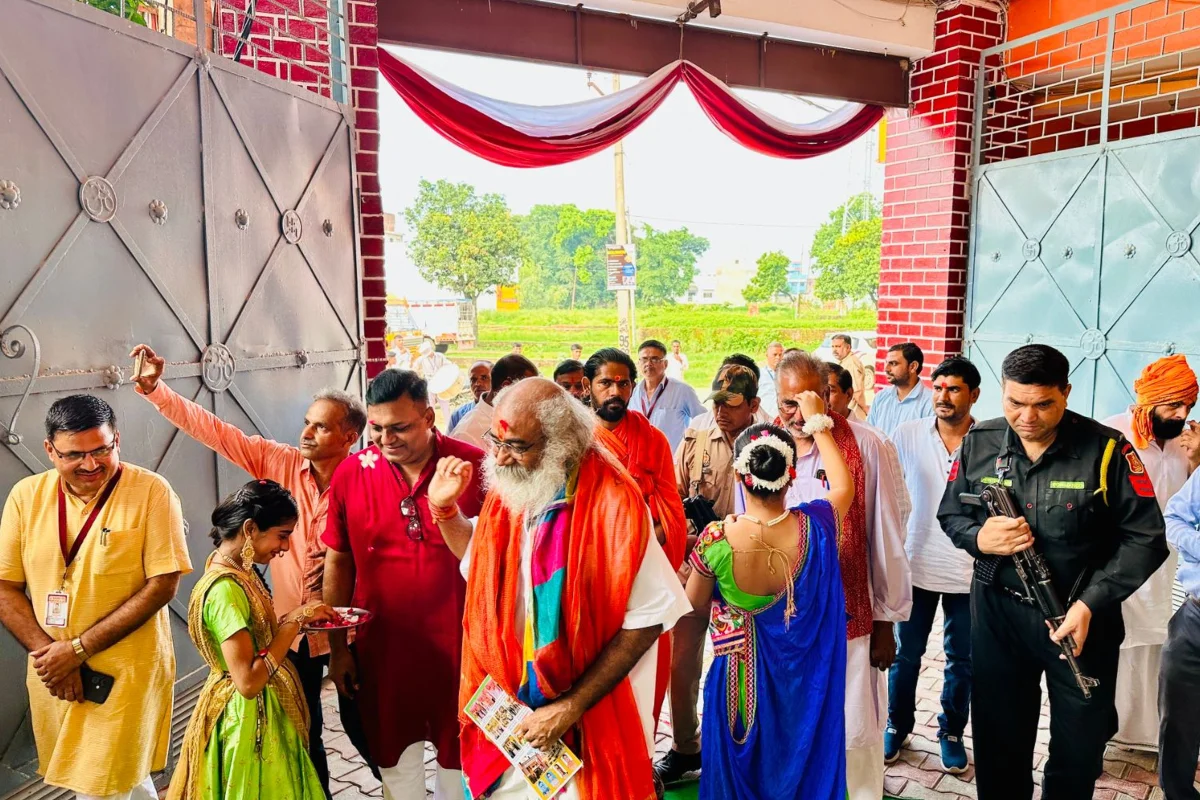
1138	479
953	472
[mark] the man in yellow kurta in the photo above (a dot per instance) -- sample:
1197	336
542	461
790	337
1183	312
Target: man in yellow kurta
97	596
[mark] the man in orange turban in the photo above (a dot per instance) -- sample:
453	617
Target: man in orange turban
1166	448
568	592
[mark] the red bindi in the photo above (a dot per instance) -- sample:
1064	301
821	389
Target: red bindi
503	426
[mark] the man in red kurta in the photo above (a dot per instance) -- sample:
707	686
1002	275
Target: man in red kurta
386	554
645	452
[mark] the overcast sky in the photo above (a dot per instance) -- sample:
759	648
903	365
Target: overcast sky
679	169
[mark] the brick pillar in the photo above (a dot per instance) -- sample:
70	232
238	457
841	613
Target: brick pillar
364	79
926	198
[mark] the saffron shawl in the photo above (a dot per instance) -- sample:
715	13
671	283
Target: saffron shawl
607	535
646	454
852	537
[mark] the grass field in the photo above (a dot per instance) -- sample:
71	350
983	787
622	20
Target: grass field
708	334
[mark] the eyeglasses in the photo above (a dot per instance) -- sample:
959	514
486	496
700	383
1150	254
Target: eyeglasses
75	457
495	446
653	361
409	510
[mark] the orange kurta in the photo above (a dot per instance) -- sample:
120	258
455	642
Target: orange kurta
608	538
646	454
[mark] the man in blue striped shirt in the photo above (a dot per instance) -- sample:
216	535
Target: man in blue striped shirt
907	398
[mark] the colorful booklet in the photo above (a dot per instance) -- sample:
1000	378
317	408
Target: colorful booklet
498	713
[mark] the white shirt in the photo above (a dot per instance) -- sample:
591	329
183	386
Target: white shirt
656	598
768	393
888	508
890	583
474	425
676	365
937	565
1148	610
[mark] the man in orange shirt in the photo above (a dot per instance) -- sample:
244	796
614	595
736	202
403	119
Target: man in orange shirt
644	451
332	425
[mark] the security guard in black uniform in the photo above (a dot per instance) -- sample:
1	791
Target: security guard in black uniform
1089	508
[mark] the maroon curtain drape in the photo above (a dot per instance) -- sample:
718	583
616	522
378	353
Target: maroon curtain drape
514	135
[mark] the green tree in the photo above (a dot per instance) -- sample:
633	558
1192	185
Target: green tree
771	280
132	9
845	251
666	263
461	240
563	266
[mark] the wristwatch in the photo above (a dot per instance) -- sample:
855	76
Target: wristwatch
77	646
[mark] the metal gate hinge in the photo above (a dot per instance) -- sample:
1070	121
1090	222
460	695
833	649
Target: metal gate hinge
11	347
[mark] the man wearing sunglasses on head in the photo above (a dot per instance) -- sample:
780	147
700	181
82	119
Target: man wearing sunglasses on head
386	554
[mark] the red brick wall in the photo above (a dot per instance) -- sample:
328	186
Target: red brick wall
364	79
307	24
926	200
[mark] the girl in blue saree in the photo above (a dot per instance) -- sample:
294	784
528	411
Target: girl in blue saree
774	701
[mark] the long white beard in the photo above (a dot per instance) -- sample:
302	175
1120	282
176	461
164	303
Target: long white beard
526	491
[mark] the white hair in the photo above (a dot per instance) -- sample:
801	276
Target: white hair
569	429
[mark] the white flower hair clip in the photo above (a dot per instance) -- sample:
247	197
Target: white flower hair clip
742	463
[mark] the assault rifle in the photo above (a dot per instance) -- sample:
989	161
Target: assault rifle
1035	575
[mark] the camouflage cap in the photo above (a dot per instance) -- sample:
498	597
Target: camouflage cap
735	385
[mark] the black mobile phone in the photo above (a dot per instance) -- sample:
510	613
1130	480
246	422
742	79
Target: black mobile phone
96	685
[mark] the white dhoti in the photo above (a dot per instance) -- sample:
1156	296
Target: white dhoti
406	780
1137	697
143	791
1146	614
866	713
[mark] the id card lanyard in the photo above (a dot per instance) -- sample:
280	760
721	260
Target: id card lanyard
657	396
57	602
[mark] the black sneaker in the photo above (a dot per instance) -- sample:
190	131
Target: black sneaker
675	767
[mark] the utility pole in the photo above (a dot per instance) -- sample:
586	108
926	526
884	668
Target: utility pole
626	312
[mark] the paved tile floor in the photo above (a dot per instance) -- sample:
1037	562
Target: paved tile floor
917	775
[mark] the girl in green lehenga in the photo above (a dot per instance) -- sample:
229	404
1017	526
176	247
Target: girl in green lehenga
247	738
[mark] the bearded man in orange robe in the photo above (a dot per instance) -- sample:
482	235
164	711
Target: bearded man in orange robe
608	378
568	592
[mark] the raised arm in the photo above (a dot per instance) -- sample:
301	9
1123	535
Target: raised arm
450	481
253	454
841	485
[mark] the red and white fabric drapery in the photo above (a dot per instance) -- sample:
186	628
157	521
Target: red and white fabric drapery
516	135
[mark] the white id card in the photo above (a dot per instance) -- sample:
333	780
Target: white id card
56	610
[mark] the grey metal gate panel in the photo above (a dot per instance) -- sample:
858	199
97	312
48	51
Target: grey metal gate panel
1093	252
149	193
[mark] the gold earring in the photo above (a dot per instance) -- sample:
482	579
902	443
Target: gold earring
248	554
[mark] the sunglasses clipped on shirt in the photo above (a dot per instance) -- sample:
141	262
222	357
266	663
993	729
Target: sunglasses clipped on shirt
409	510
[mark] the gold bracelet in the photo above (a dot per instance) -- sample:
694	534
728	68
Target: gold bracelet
272	664
77	646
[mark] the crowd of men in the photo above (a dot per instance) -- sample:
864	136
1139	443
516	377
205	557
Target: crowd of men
541	541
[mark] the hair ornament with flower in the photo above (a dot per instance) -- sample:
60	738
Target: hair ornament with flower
764	439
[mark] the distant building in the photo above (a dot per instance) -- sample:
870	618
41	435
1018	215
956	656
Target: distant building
800	281
732	279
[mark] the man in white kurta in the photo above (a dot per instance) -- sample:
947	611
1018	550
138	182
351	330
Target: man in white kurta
1169	450
887	509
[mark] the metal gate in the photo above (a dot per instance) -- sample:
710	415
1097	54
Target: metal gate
1091	247
1095	254
152	193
